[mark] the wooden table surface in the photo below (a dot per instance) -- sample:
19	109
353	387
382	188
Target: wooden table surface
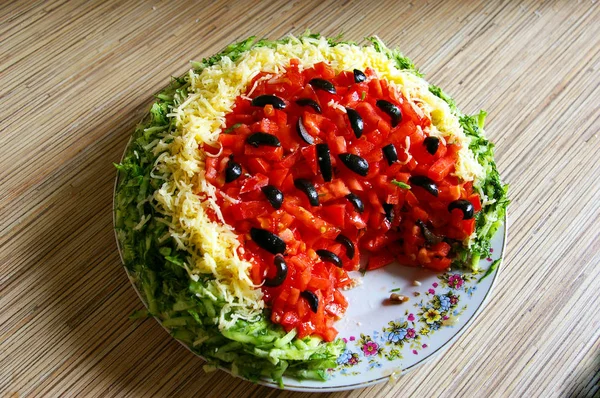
76	76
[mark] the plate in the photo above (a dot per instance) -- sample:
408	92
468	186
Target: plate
385	340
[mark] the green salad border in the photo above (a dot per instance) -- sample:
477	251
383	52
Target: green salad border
188	308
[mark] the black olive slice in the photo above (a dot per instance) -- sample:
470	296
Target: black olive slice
359	76
313	300
233	171
267	99
389	151
432	144
389	211
323	84
392	110
268	240
258	139
355	163
274	195
281	274
309	102
356	202
344	240
356	122
306	137
463	205
324	160
425	183
430	237
330	257
309	189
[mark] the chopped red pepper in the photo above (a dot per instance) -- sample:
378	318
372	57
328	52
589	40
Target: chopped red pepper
388	226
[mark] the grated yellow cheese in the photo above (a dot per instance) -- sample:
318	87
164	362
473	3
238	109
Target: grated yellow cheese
188	198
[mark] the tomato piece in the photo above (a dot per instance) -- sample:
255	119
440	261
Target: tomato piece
324	71
248	210
288	183
310	155
211	169
468	226
370	116
339	145
362	147
420	214
288	137
375	89
276	177
318	283
265	152
355	219
335	214
256	273
231	141
294	296
411	199
253	183
453	150
353	184
329	334
280	117
381	259
449	193
269	110
439	264
420	153
441	168
379	135
375	202
376	242
476	202
332	190
288	161
258	165
340	299
310	221
441	249
240	119
312	123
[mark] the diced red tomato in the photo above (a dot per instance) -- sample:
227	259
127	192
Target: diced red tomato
247	210
339	145
253	183
211	169
310	155
332	190
476	202
449	193
380	259
258	165
439	264
335	214
265	152
384	217
441	168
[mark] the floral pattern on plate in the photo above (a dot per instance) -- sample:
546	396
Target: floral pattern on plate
439	308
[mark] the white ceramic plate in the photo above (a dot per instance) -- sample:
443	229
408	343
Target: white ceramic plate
387	340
